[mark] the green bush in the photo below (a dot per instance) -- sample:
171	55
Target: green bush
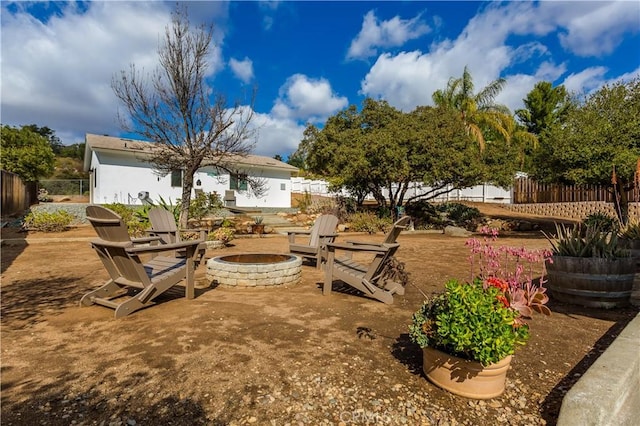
222	234
425	215
601	221
469	322
48	222
133	218
204	204
369	222
461	215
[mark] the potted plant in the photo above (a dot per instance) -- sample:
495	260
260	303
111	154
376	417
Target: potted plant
589	267
258	226
220	237
470	331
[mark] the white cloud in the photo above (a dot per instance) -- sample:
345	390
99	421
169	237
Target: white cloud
408	79
392	33
303	98
58	74
586	80
276	135
243	69
593	28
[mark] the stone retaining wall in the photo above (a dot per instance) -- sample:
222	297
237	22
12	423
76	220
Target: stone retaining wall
575	211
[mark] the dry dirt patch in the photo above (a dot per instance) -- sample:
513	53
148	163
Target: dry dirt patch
258	356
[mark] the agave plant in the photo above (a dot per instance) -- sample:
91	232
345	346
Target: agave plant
631	231
578	241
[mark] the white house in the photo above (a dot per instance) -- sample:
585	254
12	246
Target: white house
121	172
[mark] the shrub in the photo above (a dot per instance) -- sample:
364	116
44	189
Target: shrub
460	215
131	218
368	222
424	215
222	234
601	221
48	222
469	321
204	204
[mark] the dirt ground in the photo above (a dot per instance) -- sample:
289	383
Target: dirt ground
277	356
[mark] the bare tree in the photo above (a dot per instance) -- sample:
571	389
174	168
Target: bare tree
172	107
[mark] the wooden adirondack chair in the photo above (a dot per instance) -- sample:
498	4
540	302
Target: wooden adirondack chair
369	278
322	232
130	276
163	225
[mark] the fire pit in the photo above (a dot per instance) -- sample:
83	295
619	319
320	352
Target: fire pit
254	269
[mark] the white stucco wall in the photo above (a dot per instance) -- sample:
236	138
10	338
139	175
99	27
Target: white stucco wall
119	178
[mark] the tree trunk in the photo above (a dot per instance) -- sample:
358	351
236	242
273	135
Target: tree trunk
187	185
621	203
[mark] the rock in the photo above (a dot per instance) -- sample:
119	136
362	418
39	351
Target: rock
342	227
455	231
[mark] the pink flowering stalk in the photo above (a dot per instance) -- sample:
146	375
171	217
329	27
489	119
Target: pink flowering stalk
512	270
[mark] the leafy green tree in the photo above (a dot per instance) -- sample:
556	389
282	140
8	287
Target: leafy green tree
596	136
478	110
54	141
25	153
75	151
299	158
277	157
383	151
545	106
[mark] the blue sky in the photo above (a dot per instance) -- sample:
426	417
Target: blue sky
308	60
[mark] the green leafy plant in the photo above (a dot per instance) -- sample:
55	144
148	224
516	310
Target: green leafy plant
48	222
585	241
601	221
222	234
258	220
631	231
461	215
485	320
469	321
131	217
368	222
203	204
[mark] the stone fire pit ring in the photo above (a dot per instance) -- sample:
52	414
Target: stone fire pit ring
254	270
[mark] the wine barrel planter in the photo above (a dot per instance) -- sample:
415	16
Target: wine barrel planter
591	281
634	249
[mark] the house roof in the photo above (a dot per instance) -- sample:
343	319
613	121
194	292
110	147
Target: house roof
110	143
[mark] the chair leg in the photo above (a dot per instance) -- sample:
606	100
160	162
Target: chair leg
129	307
107	291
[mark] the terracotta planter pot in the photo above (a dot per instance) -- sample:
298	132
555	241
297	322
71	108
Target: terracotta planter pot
591	281
463	377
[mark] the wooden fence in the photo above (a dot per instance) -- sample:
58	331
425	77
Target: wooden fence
17	196
527	191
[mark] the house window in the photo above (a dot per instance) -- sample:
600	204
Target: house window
238	182
283	187
176	178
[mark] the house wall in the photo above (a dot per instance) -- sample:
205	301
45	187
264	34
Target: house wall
119	178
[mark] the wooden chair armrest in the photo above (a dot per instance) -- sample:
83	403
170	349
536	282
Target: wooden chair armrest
301	232
164	247
361	247
369	243
143	240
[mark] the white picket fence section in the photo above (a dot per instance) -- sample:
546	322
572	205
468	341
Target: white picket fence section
482	193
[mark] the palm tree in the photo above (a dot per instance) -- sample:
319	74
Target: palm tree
479	111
